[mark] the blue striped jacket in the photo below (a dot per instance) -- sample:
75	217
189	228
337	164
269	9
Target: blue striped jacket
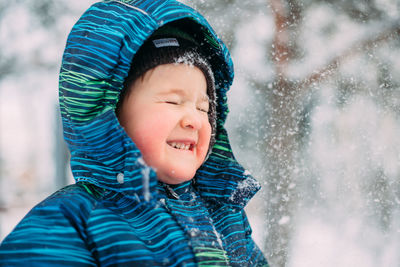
117	213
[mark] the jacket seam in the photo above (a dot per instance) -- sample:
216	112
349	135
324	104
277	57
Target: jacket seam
130	6
90	248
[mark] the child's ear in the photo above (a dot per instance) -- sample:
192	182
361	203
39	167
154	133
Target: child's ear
118	107
124	94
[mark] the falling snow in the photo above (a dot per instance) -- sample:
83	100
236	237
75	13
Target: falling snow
314	116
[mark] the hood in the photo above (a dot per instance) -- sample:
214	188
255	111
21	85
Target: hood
96	61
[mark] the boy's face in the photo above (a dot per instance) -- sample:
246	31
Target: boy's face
165	114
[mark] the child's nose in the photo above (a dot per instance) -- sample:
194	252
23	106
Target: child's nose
191	119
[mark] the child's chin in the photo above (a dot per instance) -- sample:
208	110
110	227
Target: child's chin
174	178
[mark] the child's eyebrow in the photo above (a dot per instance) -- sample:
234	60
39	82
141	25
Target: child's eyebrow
172	91
203	97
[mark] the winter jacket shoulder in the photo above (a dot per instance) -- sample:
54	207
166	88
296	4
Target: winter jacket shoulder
84	225
52	233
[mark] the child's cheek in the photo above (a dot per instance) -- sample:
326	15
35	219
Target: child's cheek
204	142
152	133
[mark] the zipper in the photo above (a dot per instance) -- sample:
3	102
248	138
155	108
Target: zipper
170	192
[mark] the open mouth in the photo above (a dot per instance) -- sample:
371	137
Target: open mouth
181	145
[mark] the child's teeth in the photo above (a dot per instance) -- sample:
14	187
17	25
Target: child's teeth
180	146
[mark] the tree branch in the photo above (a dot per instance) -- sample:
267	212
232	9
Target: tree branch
326	71
280	49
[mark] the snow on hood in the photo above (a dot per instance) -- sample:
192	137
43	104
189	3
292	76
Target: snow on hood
95	63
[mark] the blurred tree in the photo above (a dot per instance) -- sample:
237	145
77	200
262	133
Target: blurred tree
289	99
288	95
32	38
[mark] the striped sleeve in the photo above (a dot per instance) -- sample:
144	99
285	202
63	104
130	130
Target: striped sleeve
256	256
47	236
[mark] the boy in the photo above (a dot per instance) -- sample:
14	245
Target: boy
143	101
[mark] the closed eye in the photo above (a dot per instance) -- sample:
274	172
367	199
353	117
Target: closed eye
203	110
171	102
